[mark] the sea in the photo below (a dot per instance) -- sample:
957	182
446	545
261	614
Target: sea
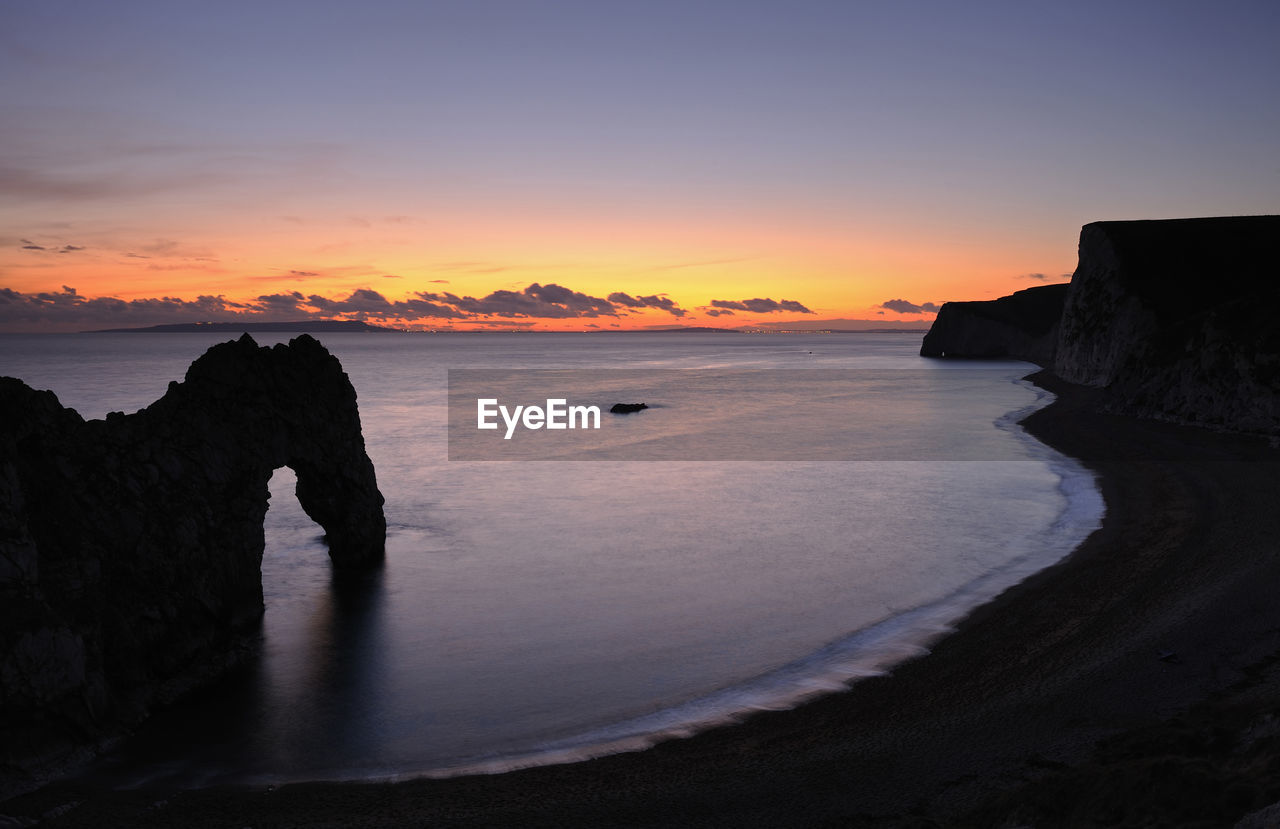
792	513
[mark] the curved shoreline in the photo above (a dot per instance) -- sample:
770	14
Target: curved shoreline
876	650
1003	715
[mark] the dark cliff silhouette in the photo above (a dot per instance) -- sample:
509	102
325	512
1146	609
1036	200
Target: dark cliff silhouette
130	547
1177	319
1022	326
1173	319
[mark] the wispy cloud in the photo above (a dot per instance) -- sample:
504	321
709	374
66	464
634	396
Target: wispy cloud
44	158
19	183
54	247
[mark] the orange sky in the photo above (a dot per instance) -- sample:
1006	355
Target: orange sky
837	274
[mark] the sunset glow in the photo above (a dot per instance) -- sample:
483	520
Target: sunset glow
823	155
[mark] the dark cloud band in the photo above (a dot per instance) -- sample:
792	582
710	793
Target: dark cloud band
760	306
68	307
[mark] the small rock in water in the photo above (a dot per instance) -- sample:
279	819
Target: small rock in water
627	408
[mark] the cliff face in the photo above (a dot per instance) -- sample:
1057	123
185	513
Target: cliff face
1177	319
1021	326
130	548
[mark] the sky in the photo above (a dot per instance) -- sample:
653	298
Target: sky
604	165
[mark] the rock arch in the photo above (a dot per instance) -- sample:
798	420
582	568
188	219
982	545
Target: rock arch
130	547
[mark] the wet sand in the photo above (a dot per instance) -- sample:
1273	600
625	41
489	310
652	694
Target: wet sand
1131	684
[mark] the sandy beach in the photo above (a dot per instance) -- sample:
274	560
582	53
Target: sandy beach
1132	684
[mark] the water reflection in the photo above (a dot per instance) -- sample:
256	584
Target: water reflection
315	710
327	714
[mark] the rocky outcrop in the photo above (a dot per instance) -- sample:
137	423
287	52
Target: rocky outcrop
130	547
1173	319
1021	326
627	408
1177	319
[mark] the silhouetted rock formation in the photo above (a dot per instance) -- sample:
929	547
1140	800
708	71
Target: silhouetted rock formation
130	548
627	408
1021	326
1177	319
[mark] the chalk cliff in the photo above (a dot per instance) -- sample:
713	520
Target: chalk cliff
1174	319
1177	319
130	547
1021	326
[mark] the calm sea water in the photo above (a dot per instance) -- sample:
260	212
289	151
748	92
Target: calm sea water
537	611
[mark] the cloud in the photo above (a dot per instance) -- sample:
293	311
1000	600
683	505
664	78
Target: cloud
902	306
67	309
365	303
169	249
362	300
653	301
719	312
281	303
28	244
303	273
760	306
549	301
